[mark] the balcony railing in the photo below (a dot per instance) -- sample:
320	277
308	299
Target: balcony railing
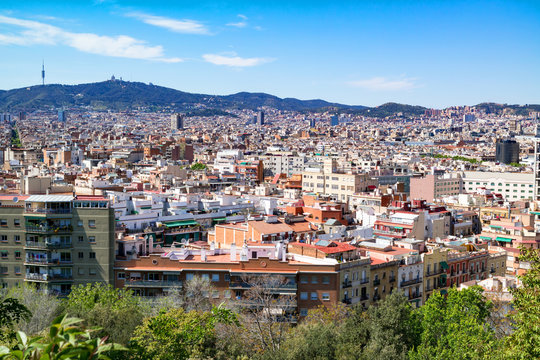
239	285
46	211
392	279
346	300
49	262
364	281
153	283
47	277
410	282
414	295
48	245
49	229
347	284
364	297
376	282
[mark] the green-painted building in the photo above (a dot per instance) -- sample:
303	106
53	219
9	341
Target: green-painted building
56	241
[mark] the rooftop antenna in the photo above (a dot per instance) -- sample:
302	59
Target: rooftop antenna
43	72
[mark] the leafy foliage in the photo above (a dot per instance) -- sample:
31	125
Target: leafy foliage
524	343
65	340
198	166
178	334
116	311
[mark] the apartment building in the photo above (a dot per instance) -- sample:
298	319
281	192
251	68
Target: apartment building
432	186
435	266
56	241
513	186
287	163
383	274
339	185
308	281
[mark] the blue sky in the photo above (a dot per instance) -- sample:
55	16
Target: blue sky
430	53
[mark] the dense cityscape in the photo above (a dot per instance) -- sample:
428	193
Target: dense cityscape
159	220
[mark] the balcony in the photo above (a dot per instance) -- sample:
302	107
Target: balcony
346	301
277	308
410	282
415	295
376	282
47	245
376	297
287	288
153	283
364	297
47	277
48	262
391	279
364	281
347	283
46	211
49	229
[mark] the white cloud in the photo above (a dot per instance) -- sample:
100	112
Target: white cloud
37	33
240	24
384	84
235	61
184	26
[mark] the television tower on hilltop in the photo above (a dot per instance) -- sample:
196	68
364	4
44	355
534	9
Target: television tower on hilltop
43	73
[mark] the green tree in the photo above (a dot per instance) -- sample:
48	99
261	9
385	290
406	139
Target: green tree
177	334
64	341
524	343
12	311
393	328
116	311
454	327
198	166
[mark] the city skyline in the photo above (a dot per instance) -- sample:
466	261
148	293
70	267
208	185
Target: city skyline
431	54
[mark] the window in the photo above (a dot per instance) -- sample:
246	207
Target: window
325	296
17	222
303	312
17	238
303	296
314	279
81	238
92	271
3	238
81	255
3	222
4	254
215	277
3	269
17	254
81	271
92	239
92	223
189	276
121	275
215	294
227	277
205	277
92	255
80	223
17	270
227	294
303	279
314	296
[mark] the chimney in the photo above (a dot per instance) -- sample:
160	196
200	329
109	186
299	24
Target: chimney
233	252
203	254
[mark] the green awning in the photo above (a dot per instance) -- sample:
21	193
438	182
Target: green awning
181	223
535	212
485	238
444	265
219	219
503	239
33	217
398	227
495	226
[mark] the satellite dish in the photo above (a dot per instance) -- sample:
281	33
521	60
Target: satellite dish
15	199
